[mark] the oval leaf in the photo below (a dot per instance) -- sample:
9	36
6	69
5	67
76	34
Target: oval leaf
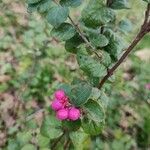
57	15
64	32
78	138
80	93
98	40
91	127
71	125
51	128
94	111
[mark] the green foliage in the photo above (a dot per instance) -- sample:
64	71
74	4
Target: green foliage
116	44
28	147
57	15
94	111
43	141
24	137
33	1
92	67
71	3
98	40
97	14
78	138
51	127
125	25
72	44
64	32
71	125
92	128
119	4
148	1
80	93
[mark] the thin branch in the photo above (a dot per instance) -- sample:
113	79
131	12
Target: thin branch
145	28
81	34
84	38
66	145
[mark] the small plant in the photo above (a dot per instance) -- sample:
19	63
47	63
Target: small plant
96	41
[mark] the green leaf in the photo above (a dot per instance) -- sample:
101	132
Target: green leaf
97	14
95	94
72	44
33	1
98	40
115	46
91	127
71	125
94	111
71	3
91	66
78	138
43	141
148	1
94	81
100	97
32	7
51	127
41	6
13	145
80	93
46	5
64	32
31	124
103	100
57	15
106	59
65	87
119	4
28	147
125	25
24	137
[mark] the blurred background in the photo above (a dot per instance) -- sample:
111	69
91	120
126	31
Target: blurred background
32	64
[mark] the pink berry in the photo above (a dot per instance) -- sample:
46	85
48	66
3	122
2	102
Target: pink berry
59	94
147	86
74	114
62	114
64	100
56	105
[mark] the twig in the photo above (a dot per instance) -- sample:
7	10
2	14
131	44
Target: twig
145	28
66	145
81	34
84	38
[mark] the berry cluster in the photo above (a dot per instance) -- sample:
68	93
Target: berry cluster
64	110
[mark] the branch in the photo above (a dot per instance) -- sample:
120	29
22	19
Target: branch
145	28
76	26
84	37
